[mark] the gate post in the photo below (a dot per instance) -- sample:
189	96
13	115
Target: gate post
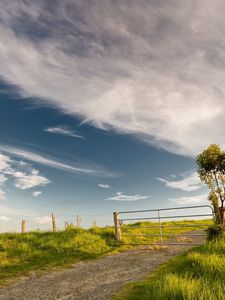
117	226
222	215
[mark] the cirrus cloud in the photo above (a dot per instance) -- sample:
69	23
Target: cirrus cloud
186	183
104	186
36	193
124	65
63	130
191	200
123	197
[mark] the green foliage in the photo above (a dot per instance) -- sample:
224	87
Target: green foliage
211	170
196	275
70	227
215	231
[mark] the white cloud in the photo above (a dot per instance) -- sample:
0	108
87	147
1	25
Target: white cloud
63	130
127	69
2	179
192	200
4	218
2	194
36	193
23	175
104	186
123	197
4	162
189	183
40	159
29	180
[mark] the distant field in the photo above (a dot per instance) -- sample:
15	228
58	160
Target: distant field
39	251
196	275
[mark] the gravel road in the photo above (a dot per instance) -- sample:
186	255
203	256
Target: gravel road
96	279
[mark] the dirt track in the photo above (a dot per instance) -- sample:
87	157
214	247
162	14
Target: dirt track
97	279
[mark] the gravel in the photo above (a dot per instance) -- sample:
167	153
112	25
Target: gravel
95	279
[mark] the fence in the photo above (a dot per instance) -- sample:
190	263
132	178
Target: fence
52	222
159	216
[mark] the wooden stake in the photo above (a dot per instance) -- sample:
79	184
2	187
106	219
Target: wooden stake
222	215
53	223
23	226
78	218
117	226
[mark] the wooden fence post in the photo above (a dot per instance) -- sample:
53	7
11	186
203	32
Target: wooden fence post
117	226
222	215
78	219
53	223
23	226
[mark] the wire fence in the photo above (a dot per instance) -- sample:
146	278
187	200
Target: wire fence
54	222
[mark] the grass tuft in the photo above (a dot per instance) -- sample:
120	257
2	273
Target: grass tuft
196	275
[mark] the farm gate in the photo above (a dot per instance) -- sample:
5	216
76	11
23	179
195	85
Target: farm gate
161	226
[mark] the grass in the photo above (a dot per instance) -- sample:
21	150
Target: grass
196	275
41	251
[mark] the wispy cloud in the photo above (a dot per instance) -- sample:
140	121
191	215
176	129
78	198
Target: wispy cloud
2	194
64	130
24	176
36	193
53	163
192	200
2	178
189	183
4	162
124	197
104	186
128	69
29	180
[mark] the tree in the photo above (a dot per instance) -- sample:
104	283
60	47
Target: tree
211	170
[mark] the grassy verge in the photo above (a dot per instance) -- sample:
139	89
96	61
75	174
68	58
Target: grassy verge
39	251
196	275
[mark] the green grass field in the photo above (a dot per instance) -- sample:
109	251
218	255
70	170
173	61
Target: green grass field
42	251
197	275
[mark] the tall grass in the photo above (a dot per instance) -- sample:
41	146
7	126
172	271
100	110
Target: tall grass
197	275
36	251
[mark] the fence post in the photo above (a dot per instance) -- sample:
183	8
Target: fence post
222	215
117	226
160	227
53	223
78	220
23	226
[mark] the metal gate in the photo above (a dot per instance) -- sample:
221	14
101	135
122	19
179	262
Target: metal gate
157	223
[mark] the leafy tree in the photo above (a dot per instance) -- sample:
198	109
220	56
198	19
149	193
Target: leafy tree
211	170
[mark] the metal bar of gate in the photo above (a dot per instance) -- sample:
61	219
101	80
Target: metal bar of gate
169	217
170	226
162	209
160	226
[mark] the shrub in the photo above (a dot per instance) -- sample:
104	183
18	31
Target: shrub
215	231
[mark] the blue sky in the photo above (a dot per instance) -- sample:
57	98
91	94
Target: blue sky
104	106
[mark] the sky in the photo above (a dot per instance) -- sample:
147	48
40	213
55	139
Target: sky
104	106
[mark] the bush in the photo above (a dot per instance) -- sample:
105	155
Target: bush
215	231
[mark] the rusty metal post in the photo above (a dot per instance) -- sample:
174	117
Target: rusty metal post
117	226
